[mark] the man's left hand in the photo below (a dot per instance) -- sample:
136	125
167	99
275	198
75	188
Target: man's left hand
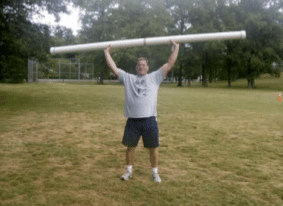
176	44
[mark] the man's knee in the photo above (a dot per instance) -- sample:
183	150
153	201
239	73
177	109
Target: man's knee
130	149
153	150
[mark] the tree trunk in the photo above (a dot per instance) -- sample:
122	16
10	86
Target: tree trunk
204	79
189	79
180	76
210	75
229	73
250	78
229	61
101	78
251	83
1	76
182	49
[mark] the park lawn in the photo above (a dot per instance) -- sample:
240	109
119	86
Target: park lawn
60	144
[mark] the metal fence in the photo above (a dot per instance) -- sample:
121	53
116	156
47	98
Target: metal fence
60	69
32	70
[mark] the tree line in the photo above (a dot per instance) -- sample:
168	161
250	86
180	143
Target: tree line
106	20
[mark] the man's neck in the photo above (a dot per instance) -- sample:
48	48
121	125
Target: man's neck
139	75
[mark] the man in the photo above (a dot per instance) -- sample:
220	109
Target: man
141	92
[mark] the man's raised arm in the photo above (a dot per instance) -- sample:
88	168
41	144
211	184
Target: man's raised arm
172	59
110	61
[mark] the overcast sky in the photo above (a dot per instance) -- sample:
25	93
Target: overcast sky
70	21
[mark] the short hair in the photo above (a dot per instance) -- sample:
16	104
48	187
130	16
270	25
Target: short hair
142	59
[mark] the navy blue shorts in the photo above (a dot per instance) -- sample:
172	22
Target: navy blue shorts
145	127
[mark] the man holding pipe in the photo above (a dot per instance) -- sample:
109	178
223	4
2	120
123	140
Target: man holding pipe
141	92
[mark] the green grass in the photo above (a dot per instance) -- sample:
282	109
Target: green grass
60	144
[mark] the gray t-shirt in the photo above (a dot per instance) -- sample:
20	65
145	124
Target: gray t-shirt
141	93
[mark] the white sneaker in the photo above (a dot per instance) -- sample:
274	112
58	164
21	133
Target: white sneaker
126	176
156	178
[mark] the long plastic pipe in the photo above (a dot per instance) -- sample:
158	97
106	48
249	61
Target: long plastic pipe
150	41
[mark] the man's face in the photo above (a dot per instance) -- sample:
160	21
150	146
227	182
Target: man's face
142	68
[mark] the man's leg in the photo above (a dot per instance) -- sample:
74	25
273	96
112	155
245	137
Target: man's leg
151	141
131	138
130	159
153	154
130	155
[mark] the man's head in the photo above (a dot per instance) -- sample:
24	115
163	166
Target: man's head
142	66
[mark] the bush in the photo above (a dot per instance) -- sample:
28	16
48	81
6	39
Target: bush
12	70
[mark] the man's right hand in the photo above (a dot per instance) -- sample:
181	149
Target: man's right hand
107	49
110	61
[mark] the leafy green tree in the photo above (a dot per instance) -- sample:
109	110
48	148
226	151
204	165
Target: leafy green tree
21	39
231	60
179	11
141	19
123	19
205	19
230	16
63	36
192	65
263	22
96	28
264	41
251	57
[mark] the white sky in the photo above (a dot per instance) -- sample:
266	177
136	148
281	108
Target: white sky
70	21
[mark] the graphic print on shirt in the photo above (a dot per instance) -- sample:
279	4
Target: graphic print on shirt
141	87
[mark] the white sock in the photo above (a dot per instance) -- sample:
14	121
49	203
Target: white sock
155	170
130	168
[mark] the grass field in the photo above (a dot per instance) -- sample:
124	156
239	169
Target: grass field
60	144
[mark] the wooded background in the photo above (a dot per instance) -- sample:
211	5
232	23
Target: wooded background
105	20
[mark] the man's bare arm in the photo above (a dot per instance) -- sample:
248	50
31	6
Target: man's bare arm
110	61
172	59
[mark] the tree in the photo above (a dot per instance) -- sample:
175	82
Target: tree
126	19
261	19
20	38
95	28
123	19
63	36
230	16
264	42
192	64
205	19
179	11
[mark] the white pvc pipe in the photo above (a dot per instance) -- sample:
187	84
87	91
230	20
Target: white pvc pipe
150	41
